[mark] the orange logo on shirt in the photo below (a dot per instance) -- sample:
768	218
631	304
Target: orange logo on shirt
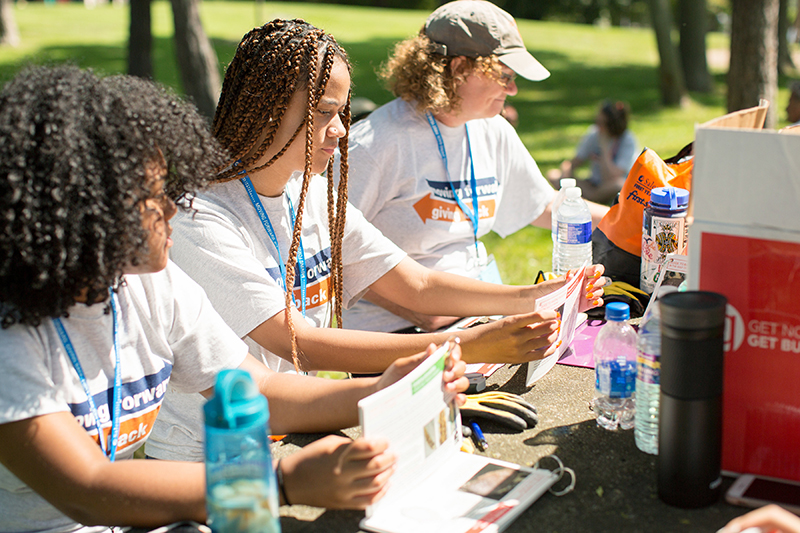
317	294
430	207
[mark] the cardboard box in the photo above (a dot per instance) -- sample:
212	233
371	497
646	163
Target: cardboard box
744	242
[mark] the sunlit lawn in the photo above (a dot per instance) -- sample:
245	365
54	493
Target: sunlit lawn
587	64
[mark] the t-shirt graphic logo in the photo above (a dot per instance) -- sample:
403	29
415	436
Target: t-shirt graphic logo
439	205
141	402
318	271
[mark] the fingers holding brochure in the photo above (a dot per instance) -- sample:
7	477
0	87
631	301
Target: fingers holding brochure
338	473
454	369
512	339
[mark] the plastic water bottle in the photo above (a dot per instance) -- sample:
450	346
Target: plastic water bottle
615	369
573	245
648	371
241	489
566	183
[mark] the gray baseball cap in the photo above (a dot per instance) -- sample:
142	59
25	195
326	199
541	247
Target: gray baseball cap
477	28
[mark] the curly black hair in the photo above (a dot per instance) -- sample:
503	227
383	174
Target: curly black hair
73	155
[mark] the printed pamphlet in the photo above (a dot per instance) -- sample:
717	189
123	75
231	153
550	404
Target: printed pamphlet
437	488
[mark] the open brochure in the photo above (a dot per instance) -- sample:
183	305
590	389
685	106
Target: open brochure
437	488
566	301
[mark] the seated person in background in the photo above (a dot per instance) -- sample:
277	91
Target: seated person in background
612	149
96	320
437	168
793	107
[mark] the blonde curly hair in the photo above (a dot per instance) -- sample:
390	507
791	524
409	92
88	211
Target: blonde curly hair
416	73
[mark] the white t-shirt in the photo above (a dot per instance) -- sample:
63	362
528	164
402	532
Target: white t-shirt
226	249
397	179
171	338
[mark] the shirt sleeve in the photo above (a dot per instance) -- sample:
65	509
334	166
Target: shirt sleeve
207	238
201	341
367	255
588	144
527	193
26	385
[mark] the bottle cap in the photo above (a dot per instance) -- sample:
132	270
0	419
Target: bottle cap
573	192
617	311
669	198
566	183
237	402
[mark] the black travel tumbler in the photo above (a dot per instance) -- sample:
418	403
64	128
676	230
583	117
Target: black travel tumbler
690	425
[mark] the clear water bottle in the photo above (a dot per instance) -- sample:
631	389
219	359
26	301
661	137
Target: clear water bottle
573	244
241	489
565	183
615	369
648	371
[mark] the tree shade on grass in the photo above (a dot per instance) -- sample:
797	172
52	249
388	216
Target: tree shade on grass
587	63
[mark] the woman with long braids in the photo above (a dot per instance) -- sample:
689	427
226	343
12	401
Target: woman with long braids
96	321
280	252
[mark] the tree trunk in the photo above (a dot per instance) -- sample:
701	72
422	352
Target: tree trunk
197	60
673	88
784	56
9	33
693	16
753	70
140	40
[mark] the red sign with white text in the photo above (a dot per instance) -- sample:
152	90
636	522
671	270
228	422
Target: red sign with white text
761	390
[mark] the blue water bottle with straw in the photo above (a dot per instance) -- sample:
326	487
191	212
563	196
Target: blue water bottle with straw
241	489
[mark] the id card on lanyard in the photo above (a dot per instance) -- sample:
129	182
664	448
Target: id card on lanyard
488	268
262	215
109	447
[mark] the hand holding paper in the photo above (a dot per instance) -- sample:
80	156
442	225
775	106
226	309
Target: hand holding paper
594	287
354	473
453	376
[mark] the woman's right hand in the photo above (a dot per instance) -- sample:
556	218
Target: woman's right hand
338	473
512	339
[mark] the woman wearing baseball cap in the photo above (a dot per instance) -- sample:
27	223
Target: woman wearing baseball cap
437	168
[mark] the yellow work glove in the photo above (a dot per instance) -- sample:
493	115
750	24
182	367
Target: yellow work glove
619	291
501	407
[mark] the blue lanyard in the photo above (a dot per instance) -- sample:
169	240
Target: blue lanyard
472	215
262	214
109	448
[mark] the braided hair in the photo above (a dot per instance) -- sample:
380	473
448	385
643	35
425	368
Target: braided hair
74	162
271	64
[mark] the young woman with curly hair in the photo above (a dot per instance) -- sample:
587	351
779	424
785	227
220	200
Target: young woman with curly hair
437	168
97	323
273	221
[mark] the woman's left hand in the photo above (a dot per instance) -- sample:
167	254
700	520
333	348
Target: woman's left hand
593	289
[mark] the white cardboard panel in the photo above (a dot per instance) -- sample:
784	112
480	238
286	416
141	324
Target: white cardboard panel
747	178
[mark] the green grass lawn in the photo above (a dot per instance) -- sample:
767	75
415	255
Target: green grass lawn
587	64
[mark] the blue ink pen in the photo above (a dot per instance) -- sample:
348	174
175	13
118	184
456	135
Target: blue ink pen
477	436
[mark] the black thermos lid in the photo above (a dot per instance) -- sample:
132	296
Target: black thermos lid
692	330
